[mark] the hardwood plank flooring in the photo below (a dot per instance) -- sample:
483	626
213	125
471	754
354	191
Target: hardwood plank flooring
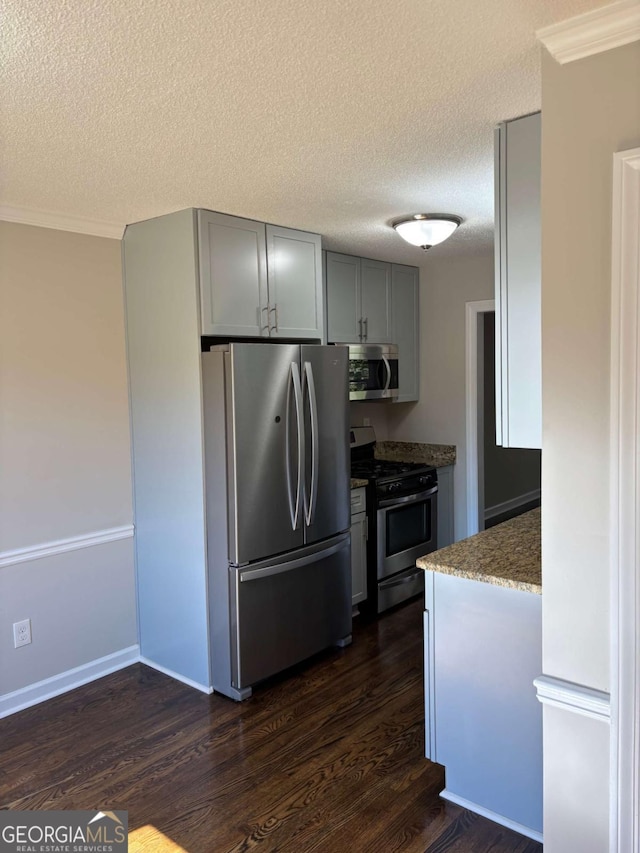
328	758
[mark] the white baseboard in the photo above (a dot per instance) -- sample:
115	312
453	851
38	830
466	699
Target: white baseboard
10	703
496	818
514	503
203	688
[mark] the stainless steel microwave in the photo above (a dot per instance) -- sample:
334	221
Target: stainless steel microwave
373	371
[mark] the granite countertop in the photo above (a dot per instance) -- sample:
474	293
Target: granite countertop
438	455
358	482
505	555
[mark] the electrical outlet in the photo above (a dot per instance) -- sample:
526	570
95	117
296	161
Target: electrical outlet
22	633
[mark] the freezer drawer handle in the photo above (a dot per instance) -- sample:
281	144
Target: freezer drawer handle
294	383
310	502
279	568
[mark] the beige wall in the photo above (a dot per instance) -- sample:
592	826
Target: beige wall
446	285
64	450
590	109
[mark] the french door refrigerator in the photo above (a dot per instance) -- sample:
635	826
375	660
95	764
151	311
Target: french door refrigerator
276	429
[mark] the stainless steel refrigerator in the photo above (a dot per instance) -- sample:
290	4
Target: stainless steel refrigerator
278	514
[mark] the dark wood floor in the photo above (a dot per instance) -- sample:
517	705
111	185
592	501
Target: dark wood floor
329	759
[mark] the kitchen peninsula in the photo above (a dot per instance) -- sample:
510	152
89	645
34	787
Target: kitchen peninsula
483	649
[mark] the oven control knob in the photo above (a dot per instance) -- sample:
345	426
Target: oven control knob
393	487
425	481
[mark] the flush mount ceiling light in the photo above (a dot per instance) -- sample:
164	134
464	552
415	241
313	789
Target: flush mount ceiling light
426	229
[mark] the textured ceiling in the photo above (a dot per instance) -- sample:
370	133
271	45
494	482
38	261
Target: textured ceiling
335	116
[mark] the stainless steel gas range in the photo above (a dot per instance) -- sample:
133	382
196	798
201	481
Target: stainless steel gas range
402	514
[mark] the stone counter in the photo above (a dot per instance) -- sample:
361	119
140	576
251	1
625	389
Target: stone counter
358	483
506	555
437	455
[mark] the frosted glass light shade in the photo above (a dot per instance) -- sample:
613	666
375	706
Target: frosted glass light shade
427	229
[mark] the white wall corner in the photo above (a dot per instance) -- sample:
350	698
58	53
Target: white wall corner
61	222
594	32
624	505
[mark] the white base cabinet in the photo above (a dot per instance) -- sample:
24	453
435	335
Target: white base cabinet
483	649
358	546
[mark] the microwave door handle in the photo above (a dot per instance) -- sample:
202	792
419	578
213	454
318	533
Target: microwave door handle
385	361
294	383
310	505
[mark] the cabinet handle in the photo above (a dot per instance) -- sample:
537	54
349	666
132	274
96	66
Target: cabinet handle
366	328
360	324
275	312
267	327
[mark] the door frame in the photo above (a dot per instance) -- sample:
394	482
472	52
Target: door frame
624	505
474	502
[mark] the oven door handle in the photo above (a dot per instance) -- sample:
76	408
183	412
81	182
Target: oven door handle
399	581
408	499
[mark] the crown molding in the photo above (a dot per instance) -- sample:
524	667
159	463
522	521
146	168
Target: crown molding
594	32
61	222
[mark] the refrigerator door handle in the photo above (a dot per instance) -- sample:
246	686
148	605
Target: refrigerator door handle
310	503
276	568
294	383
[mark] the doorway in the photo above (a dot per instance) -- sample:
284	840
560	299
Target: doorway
501	482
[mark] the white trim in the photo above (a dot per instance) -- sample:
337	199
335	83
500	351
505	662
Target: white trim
62	546
624	521
573	697
471	393
494	816
513	503
594	32
61	222
203	688
33	694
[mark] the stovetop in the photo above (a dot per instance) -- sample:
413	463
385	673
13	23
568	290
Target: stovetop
375	469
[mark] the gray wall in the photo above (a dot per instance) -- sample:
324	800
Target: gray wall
446	285
590	109
508	472
64	452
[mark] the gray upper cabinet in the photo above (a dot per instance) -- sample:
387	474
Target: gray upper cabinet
233	275
359	304
376	308
294	273
405	292
518	279
344	319
258	280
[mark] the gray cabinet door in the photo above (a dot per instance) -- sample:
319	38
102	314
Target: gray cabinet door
343	299
518	284
406	329
233	275
375	306
358	557
294	265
